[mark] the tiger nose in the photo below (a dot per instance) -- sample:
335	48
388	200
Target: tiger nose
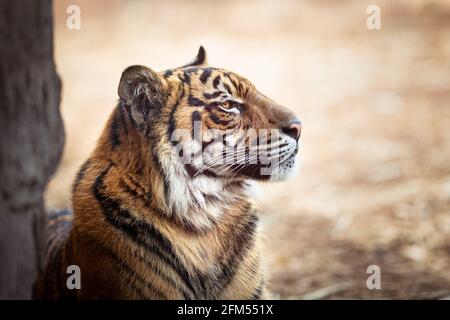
294	129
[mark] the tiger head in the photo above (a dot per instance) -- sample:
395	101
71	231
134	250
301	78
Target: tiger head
209	122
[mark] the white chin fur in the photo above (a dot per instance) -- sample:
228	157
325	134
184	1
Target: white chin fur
286	170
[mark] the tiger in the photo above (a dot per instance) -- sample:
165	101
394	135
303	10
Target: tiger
152	221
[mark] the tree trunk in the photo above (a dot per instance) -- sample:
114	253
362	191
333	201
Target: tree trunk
31	139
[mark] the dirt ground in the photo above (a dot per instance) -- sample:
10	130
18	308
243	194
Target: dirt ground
374	183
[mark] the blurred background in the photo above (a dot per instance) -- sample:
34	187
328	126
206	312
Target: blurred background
374	182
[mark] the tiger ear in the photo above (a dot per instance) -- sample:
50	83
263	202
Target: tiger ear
200	60
143	92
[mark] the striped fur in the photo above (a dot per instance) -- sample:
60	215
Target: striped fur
146	225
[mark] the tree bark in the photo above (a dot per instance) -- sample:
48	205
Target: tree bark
31	139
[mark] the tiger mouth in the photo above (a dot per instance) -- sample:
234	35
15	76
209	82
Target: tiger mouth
262	171
255	163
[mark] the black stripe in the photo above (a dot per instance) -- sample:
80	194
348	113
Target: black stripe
233	83
132	275
80	174
170	129
123	115
139	231
185	79
227	87
213	286
213	95
171	126
211	106
258	292
186	292
240	245
129	284
146	198
187	75
114	130
145	235
205	75
217	120
195	102
122	219
162	174
216	81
